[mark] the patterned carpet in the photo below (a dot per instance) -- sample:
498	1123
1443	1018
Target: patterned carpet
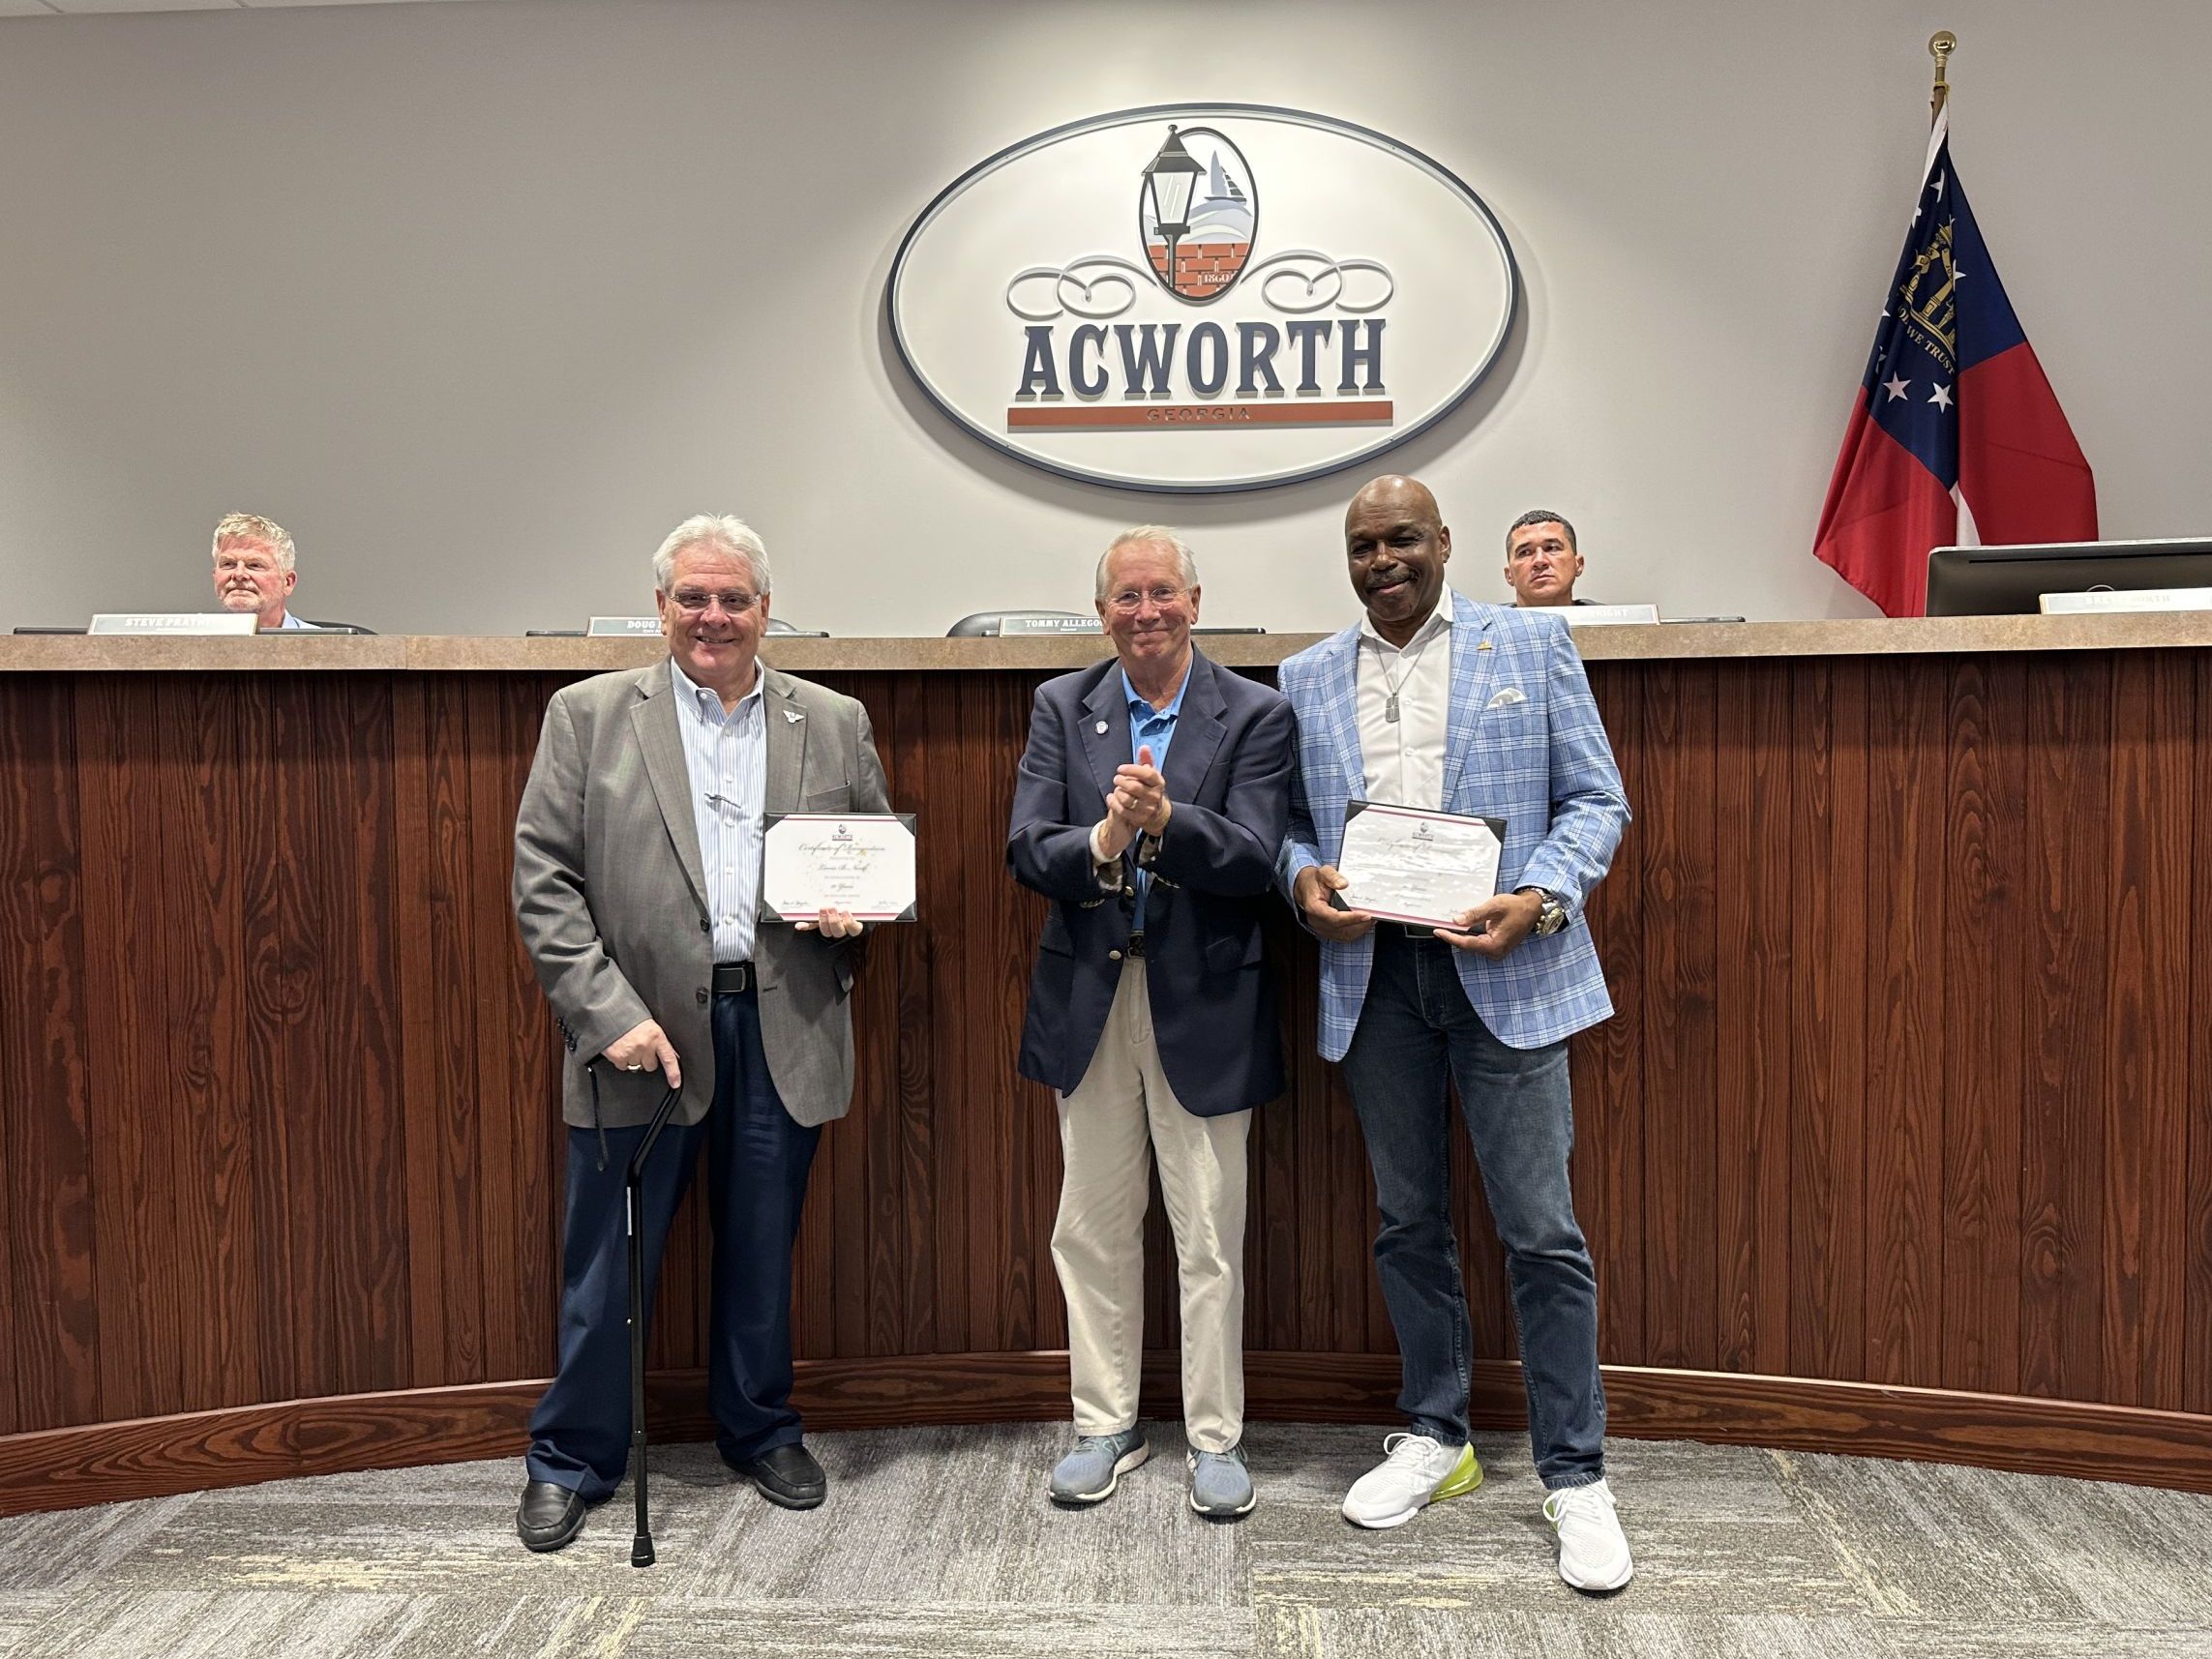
940	1542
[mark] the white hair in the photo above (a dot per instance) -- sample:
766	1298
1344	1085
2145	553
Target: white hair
1148	533
256	531
731	534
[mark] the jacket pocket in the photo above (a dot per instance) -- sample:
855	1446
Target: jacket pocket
1228	954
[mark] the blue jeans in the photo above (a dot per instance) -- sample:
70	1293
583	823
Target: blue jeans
1416	1029
757	1164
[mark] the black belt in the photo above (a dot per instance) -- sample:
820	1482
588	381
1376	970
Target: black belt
731	976
1418	931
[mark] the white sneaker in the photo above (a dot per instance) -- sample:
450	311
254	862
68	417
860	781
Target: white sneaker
1415	1472
1593	1550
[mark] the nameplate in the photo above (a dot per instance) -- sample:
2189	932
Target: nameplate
2141	599
1606	615
175	622
623	626
1012	625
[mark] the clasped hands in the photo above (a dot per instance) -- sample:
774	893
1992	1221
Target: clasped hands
1491	928
1139	804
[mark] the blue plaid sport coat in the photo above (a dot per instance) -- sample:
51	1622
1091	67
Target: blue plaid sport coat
1539	761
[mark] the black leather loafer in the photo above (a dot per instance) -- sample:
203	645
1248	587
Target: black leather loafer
786	1475
548	1516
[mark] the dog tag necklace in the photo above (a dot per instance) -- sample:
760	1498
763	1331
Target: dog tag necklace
1391	687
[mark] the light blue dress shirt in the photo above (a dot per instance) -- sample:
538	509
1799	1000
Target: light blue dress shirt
726	759
1154	729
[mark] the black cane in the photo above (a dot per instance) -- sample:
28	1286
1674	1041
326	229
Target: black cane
642	1545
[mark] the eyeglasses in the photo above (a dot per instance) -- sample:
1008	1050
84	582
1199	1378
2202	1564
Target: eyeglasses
1129	600
692	602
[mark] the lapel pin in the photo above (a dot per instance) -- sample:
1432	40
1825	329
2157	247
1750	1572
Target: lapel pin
794	716
1485	645
1100	729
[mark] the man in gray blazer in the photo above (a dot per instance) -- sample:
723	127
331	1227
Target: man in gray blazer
637	890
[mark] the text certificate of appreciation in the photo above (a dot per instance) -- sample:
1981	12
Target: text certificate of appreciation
860	862
1405	864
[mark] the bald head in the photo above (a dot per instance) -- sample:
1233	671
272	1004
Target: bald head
1396	547
1395	494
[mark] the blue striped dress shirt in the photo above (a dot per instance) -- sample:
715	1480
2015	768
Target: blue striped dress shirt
727	758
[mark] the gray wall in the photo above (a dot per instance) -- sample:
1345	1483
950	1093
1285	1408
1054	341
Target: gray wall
477	298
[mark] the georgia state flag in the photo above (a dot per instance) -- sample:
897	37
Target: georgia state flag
1957	439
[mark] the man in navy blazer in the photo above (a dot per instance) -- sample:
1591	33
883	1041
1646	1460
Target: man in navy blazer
1151	801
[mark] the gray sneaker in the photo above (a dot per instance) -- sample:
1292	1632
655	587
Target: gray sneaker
1090	1474
1220	1485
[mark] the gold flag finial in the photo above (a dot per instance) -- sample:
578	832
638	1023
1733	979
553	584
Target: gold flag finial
1940	45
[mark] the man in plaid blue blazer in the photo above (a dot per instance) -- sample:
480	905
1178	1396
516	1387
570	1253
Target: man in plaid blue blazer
1437	702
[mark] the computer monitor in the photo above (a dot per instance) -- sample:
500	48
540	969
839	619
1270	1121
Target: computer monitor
2011	581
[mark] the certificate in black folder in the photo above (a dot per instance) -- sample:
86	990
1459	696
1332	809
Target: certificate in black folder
1406	865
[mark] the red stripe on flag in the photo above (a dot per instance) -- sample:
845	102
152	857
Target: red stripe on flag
1885	512
2023	477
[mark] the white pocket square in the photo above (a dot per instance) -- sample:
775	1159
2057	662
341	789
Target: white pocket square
1506	697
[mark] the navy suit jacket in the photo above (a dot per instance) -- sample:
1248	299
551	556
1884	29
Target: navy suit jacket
1228	773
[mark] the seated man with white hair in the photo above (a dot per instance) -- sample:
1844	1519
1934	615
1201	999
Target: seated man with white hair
253	569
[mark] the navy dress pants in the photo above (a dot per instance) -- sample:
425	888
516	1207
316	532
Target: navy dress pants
757	1164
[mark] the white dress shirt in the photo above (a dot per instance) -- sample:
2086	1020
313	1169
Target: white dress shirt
1404	758
726	759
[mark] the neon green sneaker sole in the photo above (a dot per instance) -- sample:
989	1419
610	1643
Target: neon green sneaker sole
1465	1476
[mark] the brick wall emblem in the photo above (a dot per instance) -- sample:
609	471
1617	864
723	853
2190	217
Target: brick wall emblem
1196	205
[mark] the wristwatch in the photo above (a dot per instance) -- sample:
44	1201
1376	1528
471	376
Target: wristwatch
1552	917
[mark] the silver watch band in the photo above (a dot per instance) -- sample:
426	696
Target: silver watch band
1551	918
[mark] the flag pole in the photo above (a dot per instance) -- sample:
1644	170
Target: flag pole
1940	45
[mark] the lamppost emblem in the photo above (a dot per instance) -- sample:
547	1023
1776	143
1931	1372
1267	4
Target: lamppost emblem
1197	211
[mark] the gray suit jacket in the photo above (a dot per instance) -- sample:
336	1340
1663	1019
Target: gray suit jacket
610	897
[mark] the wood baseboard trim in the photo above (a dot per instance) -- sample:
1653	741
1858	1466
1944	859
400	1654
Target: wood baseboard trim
151	1457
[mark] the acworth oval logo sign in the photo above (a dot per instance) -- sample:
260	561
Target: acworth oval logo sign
1200	344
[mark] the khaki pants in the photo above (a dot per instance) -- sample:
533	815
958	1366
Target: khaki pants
1120	1117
